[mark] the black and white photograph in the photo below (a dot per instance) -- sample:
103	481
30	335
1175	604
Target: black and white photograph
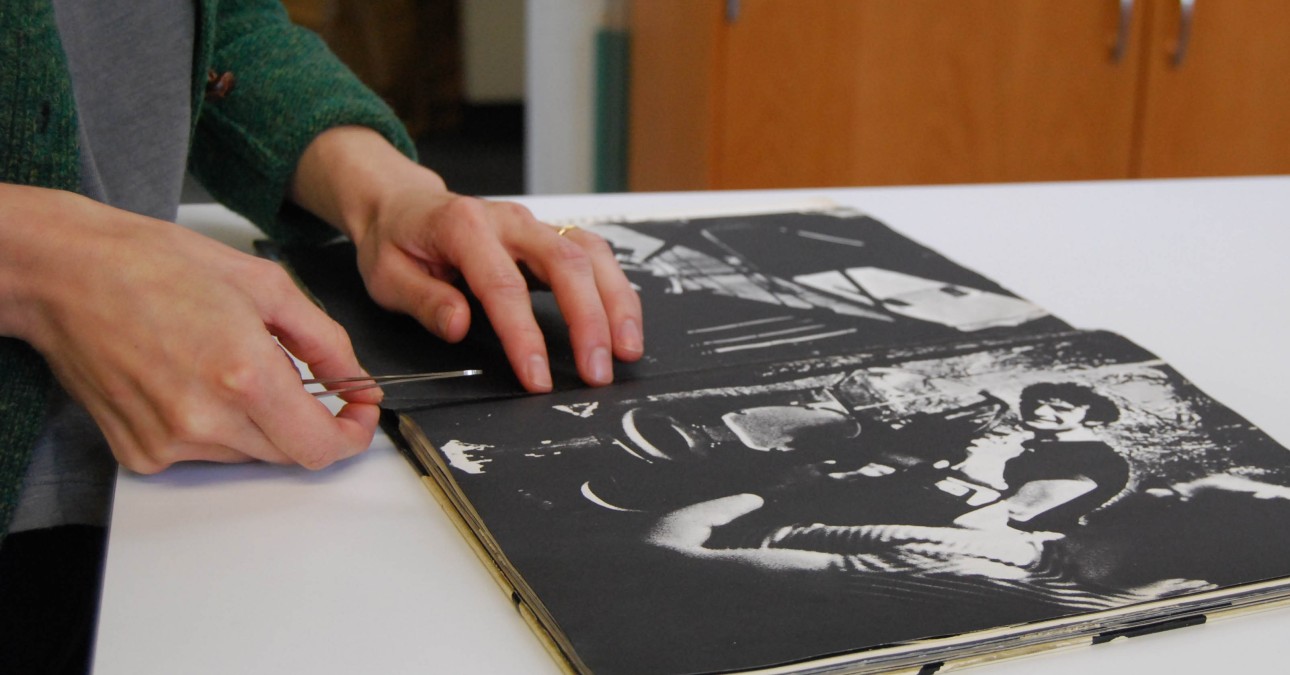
839	442
782	285
765	515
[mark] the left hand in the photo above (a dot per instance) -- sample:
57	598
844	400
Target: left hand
414	238
412	253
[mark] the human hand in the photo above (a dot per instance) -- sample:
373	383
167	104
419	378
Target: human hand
168	338
687	530
410	256
415	238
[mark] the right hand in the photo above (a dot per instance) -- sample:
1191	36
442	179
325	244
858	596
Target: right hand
171	340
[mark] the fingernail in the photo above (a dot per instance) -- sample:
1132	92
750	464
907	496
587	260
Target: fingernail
443	319
631	338
539	372
601	366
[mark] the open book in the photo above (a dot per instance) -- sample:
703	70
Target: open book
842	453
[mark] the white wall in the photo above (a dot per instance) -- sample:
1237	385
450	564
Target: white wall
493	50
560	76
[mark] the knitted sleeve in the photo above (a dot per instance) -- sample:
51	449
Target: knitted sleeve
287	88
37	147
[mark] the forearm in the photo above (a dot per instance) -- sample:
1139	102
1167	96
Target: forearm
289	90
346	175
35	243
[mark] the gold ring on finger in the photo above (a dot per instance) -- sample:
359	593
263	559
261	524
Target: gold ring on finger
564	229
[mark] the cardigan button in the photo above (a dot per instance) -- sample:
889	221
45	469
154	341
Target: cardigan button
46	112
218	85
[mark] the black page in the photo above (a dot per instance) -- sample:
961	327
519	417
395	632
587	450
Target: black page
905	441
715	291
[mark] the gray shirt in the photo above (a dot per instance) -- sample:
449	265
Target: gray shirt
131	66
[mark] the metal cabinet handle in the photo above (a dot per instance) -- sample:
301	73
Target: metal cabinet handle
1187	10
732	11
1122	32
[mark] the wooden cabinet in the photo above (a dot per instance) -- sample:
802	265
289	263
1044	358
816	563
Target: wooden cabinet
785	93
407	51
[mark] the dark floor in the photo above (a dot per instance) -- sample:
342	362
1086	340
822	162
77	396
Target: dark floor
483	157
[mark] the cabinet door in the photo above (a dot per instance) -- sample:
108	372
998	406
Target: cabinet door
1223	109
869	92
672	92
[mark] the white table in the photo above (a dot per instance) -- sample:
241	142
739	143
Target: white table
354	569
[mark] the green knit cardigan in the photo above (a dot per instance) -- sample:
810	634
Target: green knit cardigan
244	147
